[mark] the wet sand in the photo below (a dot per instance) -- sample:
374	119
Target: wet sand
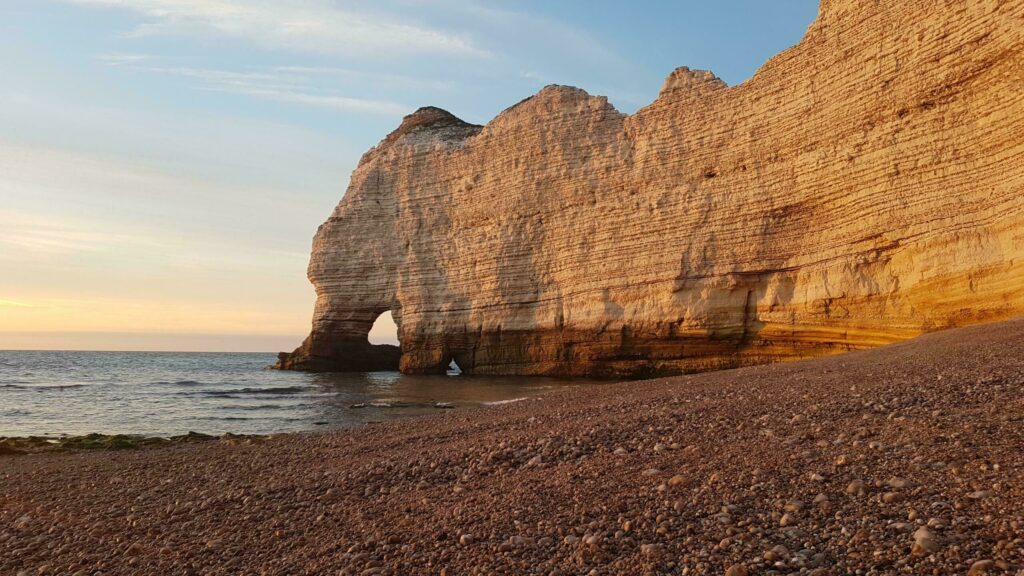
903	460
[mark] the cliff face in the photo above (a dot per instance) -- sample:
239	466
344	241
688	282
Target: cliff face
865	186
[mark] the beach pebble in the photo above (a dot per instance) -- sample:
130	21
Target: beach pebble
520	541
736	570
856	488
982	567
651	549
925	542
898	483
777	553
937	522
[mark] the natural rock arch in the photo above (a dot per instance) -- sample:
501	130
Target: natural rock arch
865	186
348	350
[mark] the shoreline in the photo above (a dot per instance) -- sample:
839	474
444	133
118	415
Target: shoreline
902	459
105	442
83	394
98	441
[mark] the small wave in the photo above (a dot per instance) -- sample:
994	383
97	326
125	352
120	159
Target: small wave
59	387
382	404
244	418
268	407
275	390
227	418
43	387
500	402
212	394
182	383
251	391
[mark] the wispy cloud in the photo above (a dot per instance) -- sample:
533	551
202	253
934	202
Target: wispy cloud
94	242
122	59
290	85
27	236
544	49
326	101
15	304
313	26
385	81
61	205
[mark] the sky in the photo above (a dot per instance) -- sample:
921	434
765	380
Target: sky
164	164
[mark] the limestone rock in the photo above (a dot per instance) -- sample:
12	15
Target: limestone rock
864	187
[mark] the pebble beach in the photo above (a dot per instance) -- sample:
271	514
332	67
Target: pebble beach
907	459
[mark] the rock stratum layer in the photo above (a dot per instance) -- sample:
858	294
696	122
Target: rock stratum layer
865	186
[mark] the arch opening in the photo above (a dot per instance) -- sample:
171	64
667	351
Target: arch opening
384	330
453	368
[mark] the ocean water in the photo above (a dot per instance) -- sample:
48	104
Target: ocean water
169	393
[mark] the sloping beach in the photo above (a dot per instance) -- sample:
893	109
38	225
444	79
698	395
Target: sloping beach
908	459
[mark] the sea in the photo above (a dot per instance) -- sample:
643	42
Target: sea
169	393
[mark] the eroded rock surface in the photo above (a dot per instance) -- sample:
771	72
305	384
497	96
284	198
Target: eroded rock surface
867	185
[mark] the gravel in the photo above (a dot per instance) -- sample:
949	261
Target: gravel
907	459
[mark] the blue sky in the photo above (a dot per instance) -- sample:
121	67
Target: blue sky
164	163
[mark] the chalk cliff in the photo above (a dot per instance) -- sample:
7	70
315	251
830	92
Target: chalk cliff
865	186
